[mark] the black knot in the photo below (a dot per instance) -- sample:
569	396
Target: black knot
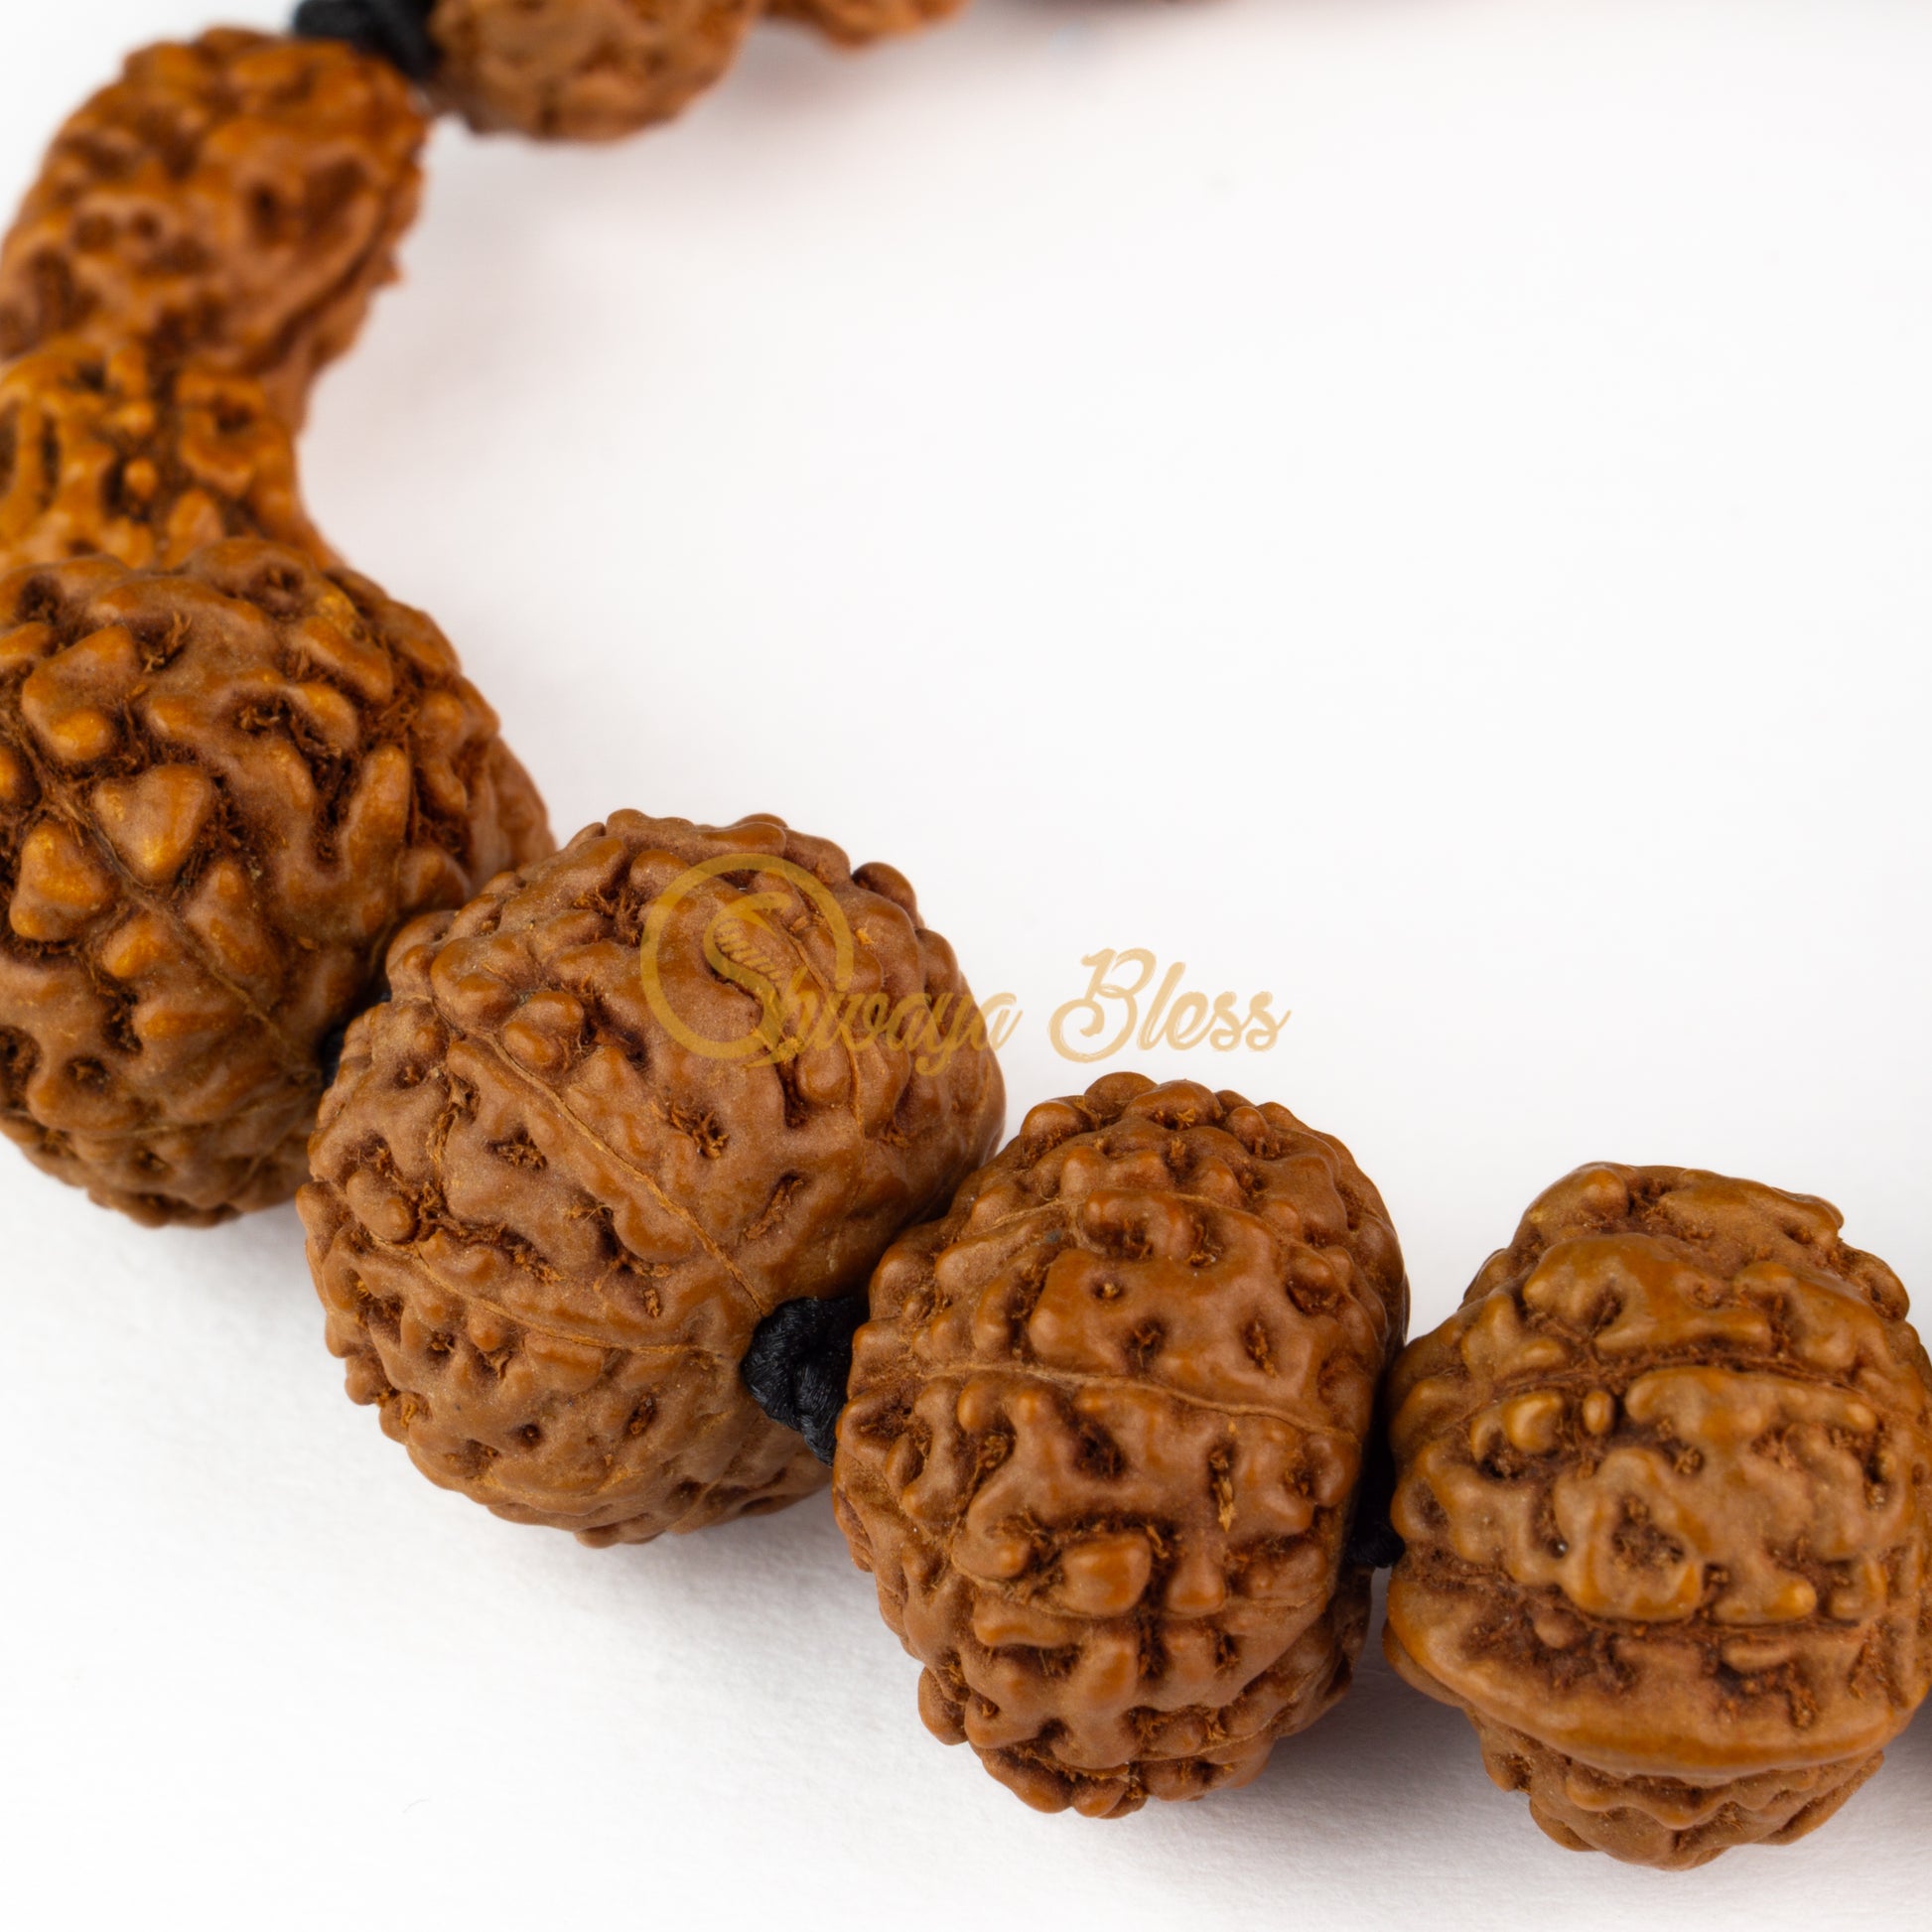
1372	1539
798	1363
397	31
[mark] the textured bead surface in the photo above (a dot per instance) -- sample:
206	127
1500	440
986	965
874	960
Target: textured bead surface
1104	1434
855	23
221	789
580	69
234	202
100	457
544	1226
1664	1487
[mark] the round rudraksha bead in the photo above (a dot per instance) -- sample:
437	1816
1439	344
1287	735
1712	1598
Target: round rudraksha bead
1665	1481
102	457
233	202
580	69
586	1148
855	23
1104	1439
222	790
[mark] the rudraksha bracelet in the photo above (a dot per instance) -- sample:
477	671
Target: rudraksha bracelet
652	1176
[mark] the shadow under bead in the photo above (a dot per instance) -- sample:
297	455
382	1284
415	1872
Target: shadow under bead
580	69
1665	1486
1105	1436
548	1220
222	790
234	200
100	456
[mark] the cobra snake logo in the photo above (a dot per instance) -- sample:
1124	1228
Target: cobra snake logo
748	944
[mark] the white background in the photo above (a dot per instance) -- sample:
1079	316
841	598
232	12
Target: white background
1418	505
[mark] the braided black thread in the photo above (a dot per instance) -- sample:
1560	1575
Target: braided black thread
798	1363
395	30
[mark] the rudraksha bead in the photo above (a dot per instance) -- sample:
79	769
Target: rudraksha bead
857	23
234	202
100	456
1666	1490
1104	1440
580	69
549	1212
222	790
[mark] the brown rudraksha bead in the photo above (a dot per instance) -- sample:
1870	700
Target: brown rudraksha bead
222	790
1104	1435
98	457
552	1204
855	23
1664	1485
234	202
580	69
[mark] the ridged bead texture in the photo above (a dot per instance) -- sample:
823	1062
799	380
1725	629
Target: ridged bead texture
1666	1490
231	201
101	455
582	70
1104	1435
544	1226
222	790
857	23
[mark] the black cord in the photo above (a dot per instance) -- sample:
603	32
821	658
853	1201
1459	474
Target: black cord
396	30
798	1363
